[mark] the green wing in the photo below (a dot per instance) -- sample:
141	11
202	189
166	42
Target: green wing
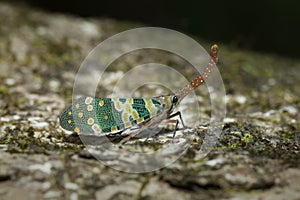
103	115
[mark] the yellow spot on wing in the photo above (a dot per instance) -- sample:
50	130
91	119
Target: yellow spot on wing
135	115
96	128
140	120
150	107
90	121
149	103
80	115
77	106
76	129
118	105
89	107
105	117
101	103
114	128
69	121
88	100
69	113
128	108
125	117
130	100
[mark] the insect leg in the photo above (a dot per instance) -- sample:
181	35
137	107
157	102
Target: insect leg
176	125
176	121
175	128
175	114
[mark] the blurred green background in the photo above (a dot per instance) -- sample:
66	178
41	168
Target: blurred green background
267	26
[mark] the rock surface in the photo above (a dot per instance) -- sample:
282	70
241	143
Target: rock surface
256	157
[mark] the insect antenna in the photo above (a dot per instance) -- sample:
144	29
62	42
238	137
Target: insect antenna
201	78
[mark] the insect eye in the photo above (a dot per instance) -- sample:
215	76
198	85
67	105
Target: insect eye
175	99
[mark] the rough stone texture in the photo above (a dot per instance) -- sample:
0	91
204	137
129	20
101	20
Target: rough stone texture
256	157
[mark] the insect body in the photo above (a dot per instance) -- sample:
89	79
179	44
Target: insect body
105	115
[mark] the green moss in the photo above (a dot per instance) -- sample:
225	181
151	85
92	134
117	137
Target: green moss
4	89
287	135
247	137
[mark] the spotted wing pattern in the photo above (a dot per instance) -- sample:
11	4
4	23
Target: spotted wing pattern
103	115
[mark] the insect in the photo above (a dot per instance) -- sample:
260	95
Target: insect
111	115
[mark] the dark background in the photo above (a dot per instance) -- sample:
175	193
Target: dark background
268	25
